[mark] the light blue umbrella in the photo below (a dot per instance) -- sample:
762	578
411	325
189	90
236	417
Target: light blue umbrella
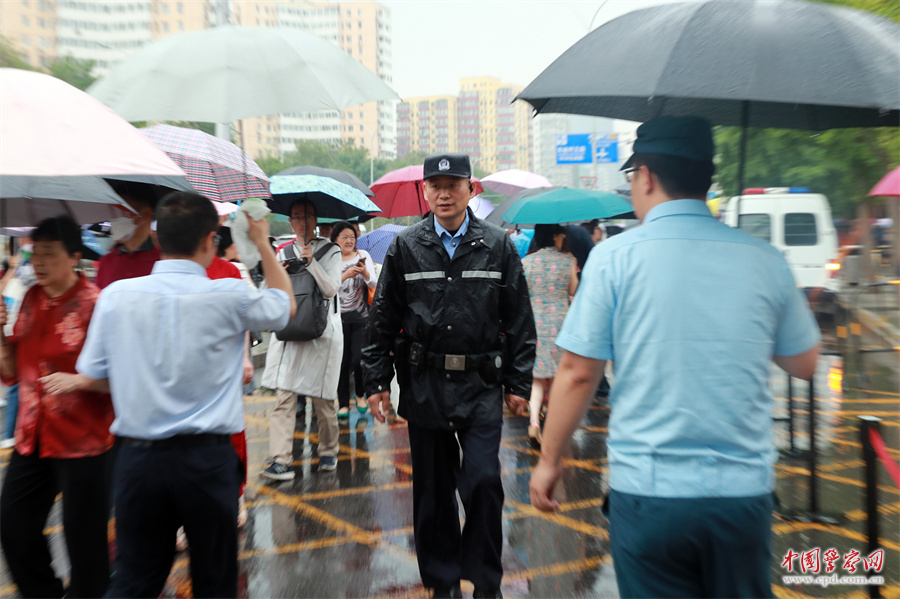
378	241
331	198
550	205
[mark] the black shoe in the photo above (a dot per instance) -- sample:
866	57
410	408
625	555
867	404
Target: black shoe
453	592
487	594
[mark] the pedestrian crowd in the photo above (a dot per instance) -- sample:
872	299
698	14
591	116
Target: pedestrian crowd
129	388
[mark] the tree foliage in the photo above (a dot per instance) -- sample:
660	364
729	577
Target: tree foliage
11	57
342	155
73	71
843	164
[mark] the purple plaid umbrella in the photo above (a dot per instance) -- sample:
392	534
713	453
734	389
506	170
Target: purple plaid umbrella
215	167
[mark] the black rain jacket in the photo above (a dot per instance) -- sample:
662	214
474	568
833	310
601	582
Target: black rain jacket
476	304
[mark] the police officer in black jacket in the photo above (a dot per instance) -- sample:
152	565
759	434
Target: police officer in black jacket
452	314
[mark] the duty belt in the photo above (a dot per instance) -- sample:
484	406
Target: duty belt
461	362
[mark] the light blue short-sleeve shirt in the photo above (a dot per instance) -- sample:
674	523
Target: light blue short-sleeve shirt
171	345
691	312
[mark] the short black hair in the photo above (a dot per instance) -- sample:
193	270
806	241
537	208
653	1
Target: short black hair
340	227
590	225
142	193
225	240
59	228
183	219
543	237
303	202
679	177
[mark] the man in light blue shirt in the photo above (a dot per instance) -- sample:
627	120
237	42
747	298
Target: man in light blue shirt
692	312
169	347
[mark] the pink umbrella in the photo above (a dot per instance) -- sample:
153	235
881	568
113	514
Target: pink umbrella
512	181
889	185
57	144
225	208
399	192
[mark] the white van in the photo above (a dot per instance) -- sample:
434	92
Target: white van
796	222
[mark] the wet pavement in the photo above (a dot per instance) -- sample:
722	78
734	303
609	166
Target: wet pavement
348	533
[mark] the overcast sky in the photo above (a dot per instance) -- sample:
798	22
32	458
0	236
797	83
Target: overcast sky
438	42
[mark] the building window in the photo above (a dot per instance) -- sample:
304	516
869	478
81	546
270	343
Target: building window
25	21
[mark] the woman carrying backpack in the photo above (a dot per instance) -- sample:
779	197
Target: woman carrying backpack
357	277
309	368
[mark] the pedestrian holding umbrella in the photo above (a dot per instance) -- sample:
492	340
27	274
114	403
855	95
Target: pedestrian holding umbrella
331	198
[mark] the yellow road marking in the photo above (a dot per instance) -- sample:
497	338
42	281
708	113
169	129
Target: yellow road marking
556	518
784	528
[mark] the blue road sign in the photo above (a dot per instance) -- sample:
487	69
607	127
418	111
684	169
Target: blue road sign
574	149
606	148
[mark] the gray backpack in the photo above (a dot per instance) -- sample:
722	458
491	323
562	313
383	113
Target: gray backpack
311	318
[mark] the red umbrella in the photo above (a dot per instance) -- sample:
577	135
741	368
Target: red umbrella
889	185
399	192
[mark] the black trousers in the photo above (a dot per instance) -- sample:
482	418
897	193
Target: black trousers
29	490
446	554
158	490
353	341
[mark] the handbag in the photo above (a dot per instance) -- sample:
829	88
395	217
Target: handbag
311	318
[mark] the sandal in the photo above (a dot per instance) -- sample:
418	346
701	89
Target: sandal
362	406
343	414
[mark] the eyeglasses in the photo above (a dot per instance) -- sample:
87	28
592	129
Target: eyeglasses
217	239
629	173
304	217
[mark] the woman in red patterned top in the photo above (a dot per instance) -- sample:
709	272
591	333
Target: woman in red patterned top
63	441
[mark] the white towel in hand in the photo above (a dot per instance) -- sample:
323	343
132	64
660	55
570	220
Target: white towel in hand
246	249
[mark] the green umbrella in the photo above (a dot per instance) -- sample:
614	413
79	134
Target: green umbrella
549	205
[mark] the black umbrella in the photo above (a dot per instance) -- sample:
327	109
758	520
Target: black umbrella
338	175
782	63
772	63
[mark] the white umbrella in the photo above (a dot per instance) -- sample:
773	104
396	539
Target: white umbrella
57	144
233	72
512	181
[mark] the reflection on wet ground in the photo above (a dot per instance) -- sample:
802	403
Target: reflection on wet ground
348	533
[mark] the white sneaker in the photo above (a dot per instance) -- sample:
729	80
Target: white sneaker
7	443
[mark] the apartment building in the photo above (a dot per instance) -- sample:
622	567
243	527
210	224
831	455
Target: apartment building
107	31
30	25
427	125
488	126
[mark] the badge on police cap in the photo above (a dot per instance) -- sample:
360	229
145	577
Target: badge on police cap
453	165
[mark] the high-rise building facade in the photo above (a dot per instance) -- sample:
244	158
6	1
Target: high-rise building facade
31	27
107	31
493	130
427	125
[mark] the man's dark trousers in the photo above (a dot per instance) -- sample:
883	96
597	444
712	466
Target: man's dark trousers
691	547
444	553
158	490
29	490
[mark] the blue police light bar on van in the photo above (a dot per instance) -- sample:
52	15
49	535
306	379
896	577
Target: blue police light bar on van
761	190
